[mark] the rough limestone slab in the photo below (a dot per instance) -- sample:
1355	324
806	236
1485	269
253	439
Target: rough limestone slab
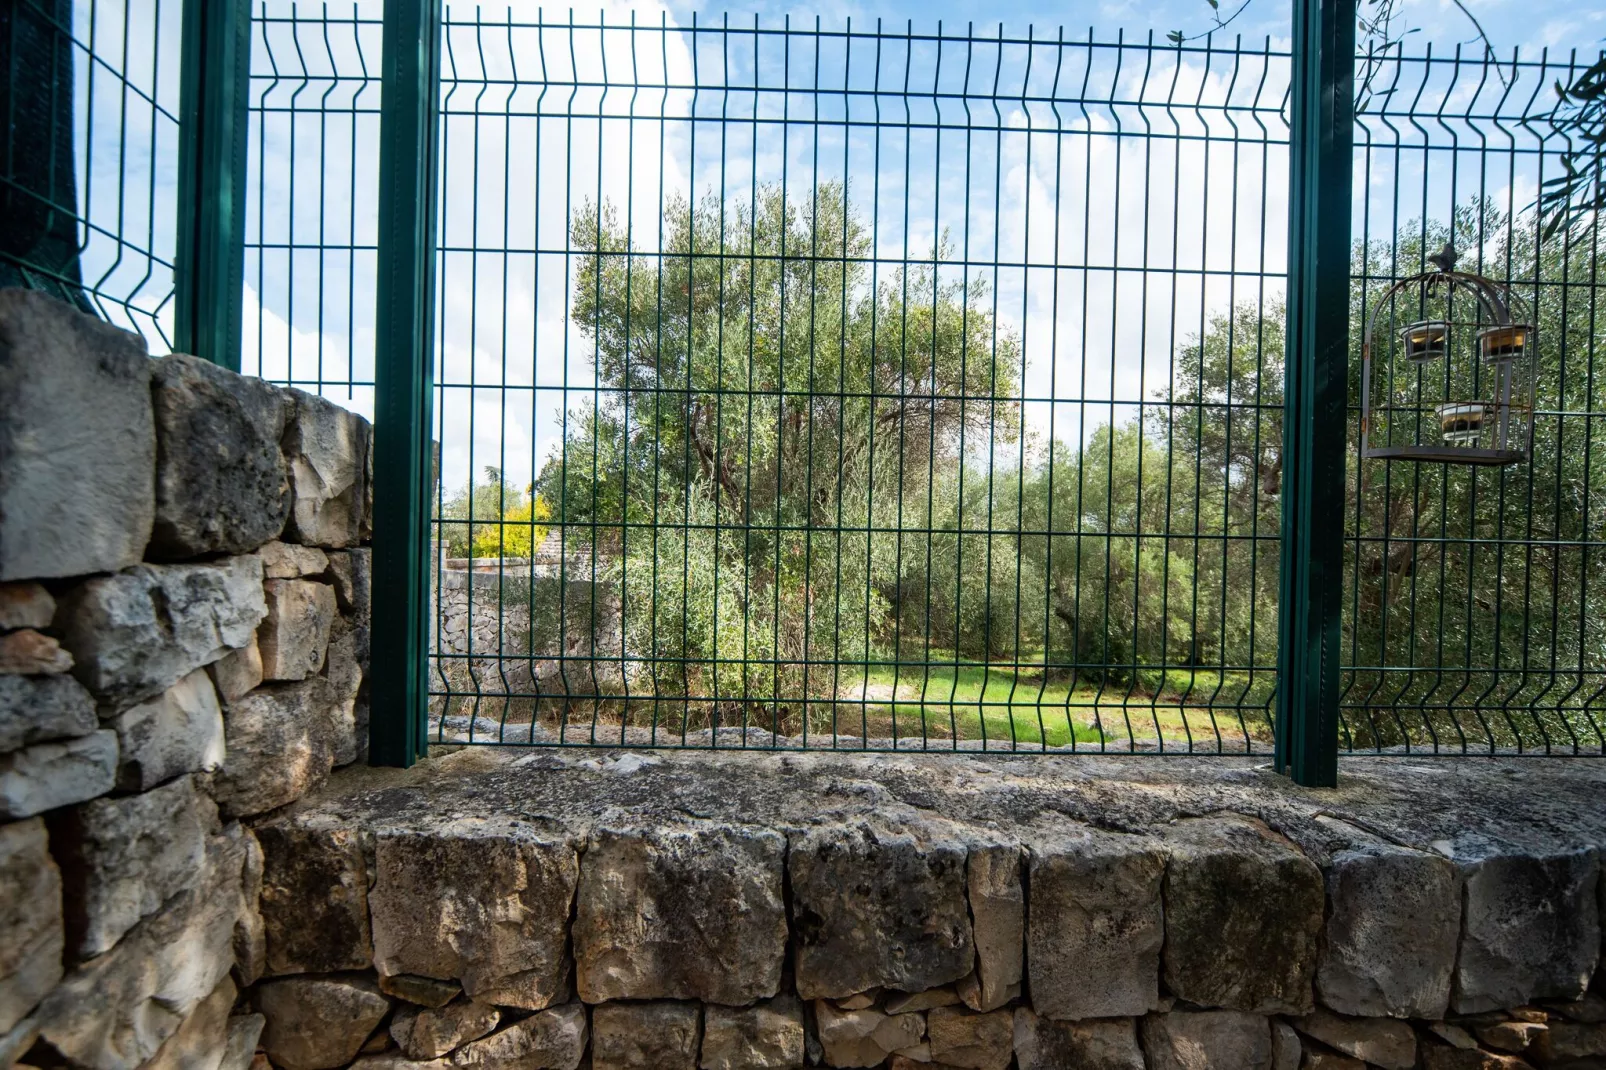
352	571
553	1039
278	743
425	1033
238	671
39	709
78	442
998	925
1381	1042
1203	1040
30	651
50	775
343	669
31	932
645	1036
484	901
681	913
123	857
1531	929
202	1041
328	451
294	636
1095	925
318	1023
768	1036
135	634
1393	921
288	561
961	1037
222	483
179	731
314	900
865	1037
1243	914
873	908
25	605
1096	1044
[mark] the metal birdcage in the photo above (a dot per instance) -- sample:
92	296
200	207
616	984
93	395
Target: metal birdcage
1454	383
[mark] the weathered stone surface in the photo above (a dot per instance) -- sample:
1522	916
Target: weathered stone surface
681	913
238	671
1381	1041
1394	917
1286	1050
1243	912
328	450
1095	926
962	1037
484	901
1317	1059
278	745
77	445
135	634
874	907
1436	1058
1096	1044
123	857
1206	1040
1565	1041
294	635
179	731
998	924
222	484
423	1033
115	1011
316	1023
28	651
1453	1034
343	669
201	1042
25	605
645	1036
288	561
902	1002
38	709
314	901
1511	1036
864	1037
250	935
1531	929
1591	1007
352	572
424	991
31	934
244	1032
48	775
553	1039
768	1036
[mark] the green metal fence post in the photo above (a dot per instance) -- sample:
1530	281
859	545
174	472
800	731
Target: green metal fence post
1321	138
404	376
209	261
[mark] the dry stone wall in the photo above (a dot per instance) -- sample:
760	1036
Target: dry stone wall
183	645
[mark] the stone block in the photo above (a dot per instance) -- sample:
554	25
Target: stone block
768	1036
425	1033
1243	914
123	857
28	651
873	907
289	561
1566	1042
1382	1042
645	1036
681	913
25	605
352	571
1206	1040
1095	1044
250	935
314	901
1095	926
203	1039
552	1039
1286	1050
484	901
1319	1059
50	775
294	636
114	1012
318	1023
238	671
1393	919
222	484
39	709
867	1036
278	746
424	991
328	450
962	1037
1437	1058
1531	929
31	931
901	1002
239	1050
179	731
998	925
78	444
343	669
137	633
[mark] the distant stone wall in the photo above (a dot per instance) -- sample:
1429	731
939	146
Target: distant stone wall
184	588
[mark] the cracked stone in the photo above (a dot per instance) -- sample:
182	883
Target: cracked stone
1383	1042
553	1039
998	923
423	1033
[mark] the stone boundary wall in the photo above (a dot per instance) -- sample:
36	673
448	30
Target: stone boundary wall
183	641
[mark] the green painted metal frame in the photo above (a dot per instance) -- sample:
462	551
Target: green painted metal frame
1321	140
209	265
409	133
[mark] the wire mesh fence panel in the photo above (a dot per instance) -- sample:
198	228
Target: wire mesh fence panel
856	388
88	156
1474	594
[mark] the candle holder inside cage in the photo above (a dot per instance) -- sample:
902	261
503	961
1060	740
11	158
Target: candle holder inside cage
1454	384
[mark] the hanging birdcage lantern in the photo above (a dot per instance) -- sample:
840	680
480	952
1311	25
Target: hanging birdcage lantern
1455	383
